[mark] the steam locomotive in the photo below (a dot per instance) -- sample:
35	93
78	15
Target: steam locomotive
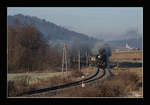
96	60
100	60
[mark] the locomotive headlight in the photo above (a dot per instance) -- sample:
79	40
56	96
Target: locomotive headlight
82	77
99	56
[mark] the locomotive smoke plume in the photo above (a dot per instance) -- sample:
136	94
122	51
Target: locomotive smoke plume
96	47
102	45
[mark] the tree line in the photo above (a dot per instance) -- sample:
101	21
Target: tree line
29	51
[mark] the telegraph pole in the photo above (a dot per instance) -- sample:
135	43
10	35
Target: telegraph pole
64	60
79	60
137	41
137	45
86	58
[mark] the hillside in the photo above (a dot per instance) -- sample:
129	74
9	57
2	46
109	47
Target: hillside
58	35
52	32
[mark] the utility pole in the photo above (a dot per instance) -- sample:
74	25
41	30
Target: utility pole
79	60
64	60
86	59
137	41
137	45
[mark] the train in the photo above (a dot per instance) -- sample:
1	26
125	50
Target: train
84	60
89	61
100	60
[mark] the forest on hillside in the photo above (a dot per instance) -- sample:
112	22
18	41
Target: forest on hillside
28	50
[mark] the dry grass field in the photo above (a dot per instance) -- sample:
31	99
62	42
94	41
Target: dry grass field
118	86
126	56
130	62
32	81
126	82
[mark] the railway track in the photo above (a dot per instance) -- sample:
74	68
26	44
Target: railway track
98	75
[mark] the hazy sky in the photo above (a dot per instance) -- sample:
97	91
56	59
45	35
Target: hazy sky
108	22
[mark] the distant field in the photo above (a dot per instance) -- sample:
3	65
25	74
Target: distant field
126	55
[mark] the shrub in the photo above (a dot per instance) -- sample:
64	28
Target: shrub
129	80
20	86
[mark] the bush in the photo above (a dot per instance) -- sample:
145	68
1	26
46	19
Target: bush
11	89
128	79
15	88
20	86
